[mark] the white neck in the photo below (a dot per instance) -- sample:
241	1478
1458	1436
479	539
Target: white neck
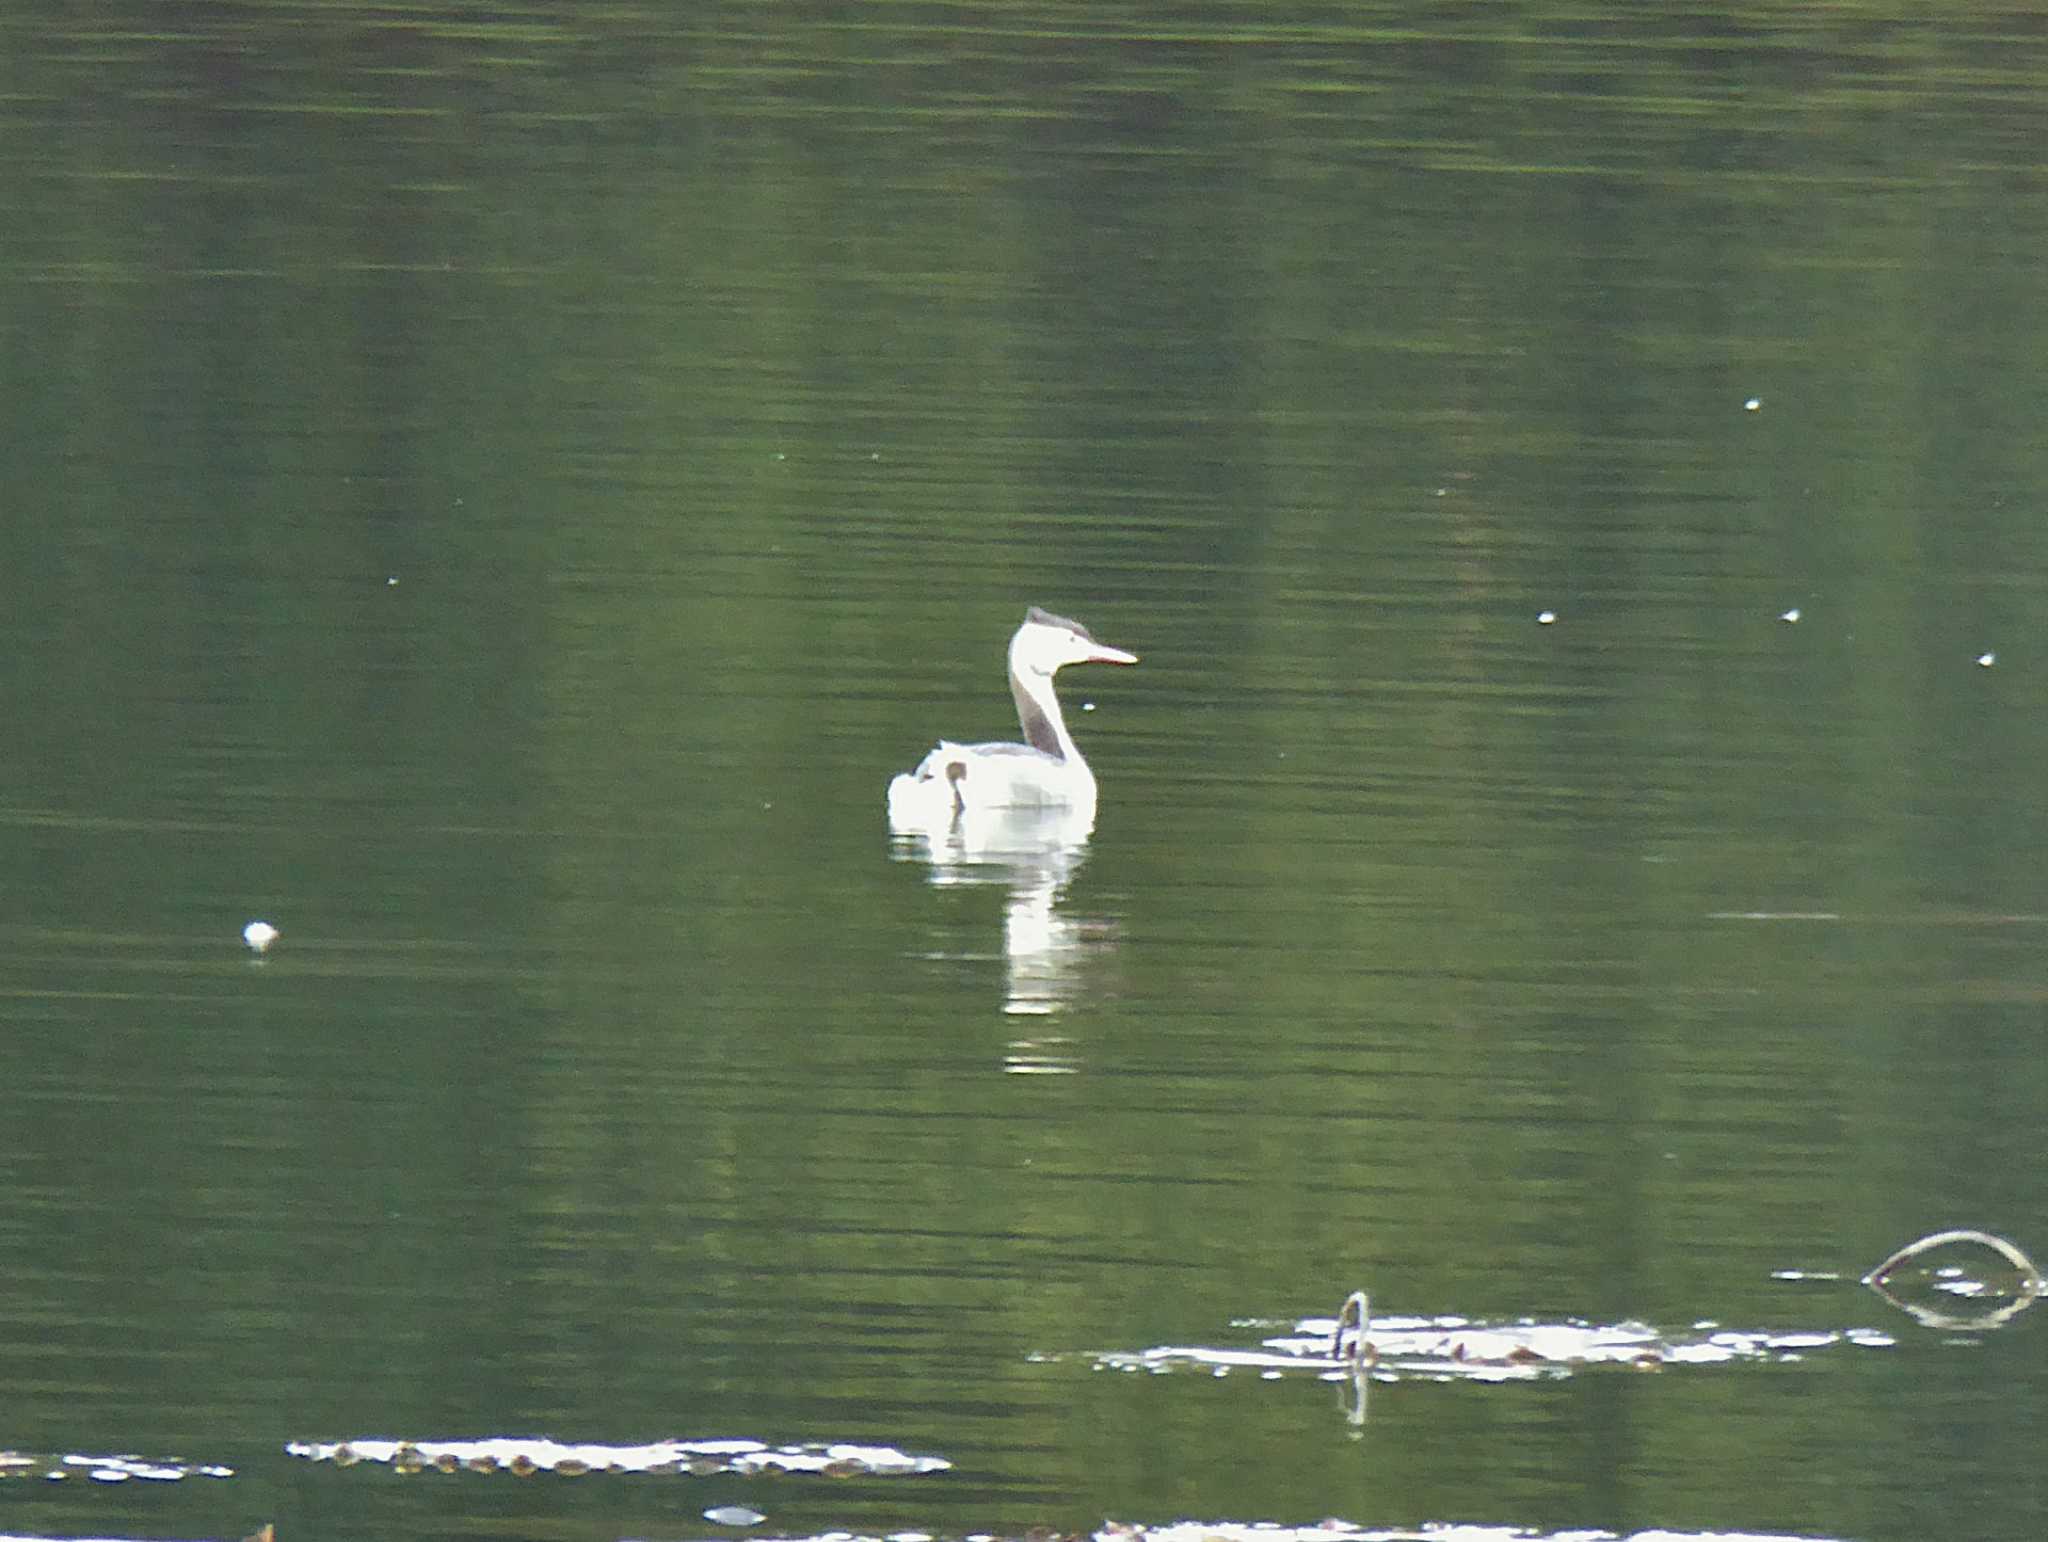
1045	726
1038	711
1035	700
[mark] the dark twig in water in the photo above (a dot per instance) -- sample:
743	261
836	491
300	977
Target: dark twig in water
1358	1304
2026	1289
2030	1276
1361	1357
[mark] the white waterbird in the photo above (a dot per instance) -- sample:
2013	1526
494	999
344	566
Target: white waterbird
1046	771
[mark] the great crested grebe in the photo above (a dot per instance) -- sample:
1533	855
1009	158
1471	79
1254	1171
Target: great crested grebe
1045	771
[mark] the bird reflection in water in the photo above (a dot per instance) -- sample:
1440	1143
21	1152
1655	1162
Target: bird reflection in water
1033	854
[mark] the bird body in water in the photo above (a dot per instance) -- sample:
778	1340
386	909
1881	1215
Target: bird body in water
1046	771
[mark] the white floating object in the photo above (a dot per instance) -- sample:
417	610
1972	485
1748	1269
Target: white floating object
1986	660
733	1515
259	935
522	1455
1790	615
1545	617
1753	404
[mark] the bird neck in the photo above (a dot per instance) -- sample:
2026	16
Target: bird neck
1038	710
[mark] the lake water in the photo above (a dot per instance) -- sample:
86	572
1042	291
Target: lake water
496	492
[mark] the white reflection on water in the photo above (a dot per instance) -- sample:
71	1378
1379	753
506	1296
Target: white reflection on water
1034	854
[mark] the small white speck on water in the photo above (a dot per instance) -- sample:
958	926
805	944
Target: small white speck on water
391	583
259	935
1753	404
1790	615
733	1515
1986	660
1545	617
1087	706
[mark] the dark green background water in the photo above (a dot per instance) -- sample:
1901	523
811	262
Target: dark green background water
497	490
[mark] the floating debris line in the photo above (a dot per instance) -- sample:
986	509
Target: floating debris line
105	1469
1353	1346
1332	1530
1335	1530
523	1457
1357	1346
1941	1285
